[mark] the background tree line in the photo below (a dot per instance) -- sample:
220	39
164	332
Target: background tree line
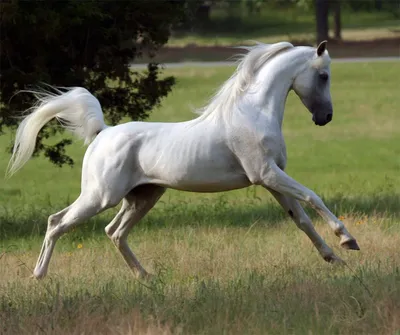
321	8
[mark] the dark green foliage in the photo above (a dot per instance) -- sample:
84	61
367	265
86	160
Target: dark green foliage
83	43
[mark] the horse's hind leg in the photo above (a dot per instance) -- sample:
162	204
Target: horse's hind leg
135	206
82	209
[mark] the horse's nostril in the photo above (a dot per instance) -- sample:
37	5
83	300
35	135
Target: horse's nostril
329	117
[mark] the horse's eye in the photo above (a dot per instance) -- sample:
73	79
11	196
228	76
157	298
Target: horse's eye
324	76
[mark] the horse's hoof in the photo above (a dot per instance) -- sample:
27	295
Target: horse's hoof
350	245
147	277
333	259
37	277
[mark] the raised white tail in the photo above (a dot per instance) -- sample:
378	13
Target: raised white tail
76	109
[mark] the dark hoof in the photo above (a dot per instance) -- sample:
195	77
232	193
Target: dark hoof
147	278
350	245
333	259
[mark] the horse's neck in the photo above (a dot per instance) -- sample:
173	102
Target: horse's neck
269	91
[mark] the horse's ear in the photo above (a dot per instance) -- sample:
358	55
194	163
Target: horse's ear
321	48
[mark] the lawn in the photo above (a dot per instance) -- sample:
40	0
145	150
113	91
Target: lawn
228	263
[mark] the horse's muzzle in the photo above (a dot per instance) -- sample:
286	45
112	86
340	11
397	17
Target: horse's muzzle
322	120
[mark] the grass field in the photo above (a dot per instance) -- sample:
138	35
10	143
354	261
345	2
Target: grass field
228	263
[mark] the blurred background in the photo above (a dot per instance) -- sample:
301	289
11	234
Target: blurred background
355	28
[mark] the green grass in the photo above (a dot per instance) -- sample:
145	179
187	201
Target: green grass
279	23
228	263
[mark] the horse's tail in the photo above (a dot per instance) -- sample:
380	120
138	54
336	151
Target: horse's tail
76	109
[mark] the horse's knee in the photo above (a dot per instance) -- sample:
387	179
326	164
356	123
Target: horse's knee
314	200
52	221
54	226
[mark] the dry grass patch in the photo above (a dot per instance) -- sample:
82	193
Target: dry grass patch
212	280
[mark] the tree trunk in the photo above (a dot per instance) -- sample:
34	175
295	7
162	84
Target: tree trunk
337	20
321	12
203	12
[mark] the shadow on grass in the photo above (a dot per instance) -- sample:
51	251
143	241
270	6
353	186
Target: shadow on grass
209	213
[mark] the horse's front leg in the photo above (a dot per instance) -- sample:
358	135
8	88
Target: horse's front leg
276	179
299	216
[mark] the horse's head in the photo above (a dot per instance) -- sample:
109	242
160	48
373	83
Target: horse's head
312	85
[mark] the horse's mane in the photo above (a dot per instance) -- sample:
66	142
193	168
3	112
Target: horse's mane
249	64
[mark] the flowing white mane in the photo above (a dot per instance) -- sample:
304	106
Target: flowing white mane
249	64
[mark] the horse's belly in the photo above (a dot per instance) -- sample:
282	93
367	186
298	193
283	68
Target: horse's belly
196	163
212	184
204	176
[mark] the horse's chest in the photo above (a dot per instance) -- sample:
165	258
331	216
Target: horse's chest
274	148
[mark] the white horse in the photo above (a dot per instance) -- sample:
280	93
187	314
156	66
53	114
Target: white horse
236	142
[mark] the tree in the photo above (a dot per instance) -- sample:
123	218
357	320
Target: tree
321	14
337	20
321	9
83	43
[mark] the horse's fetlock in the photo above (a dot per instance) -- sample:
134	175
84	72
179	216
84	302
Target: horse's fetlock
108	231
338	231
116	238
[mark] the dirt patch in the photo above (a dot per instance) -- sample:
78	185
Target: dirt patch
388	47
